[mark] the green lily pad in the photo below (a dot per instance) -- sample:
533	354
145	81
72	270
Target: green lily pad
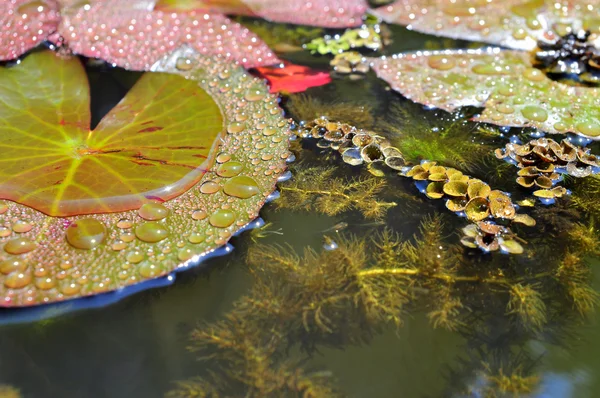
517	24
504	82
99	248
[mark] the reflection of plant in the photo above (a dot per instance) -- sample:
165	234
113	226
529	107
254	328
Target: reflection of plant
317	188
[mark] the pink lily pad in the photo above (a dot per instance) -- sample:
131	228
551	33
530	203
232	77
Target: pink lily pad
504	82
25	24
132	35
516	24
324	13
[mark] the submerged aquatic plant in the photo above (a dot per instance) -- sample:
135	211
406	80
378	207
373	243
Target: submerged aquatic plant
9	392
306	107
317	189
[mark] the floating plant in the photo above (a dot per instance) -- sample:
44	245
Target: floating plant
370	36
490	237
184	161
542	161
517	24
465	195
350	63
504	82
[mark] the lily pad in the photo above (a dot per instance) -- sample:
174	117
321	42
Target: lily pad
134	36
25	24
517	24
504	82
155	143
47	259
325	13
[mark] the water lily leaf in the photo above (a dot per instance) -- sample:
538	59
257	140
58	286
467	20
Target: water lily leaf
46	259
25	24
153	144
517	24
134	36
325	13
504	82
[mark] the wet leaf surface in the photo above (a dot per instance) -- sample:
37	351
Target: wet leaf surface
46	259
25	24
325	13
504	82
154	144
516	24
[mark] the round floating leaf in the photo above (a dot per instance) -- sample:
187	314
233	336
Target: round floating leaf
435	190
477	209
134	36
25	24
478	188
504	82
325	13
154	144
45	259
511	246
517	24
456	188
524	219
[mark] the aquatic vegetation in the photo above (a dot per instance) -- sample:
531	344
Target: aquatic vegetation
350	63
513	24
356	146
370	36
448	139
505	83
526	302
281	37
125	226
317	189
489	237
464	194
543	161
499	384
9	392
568	56
306	107
585	196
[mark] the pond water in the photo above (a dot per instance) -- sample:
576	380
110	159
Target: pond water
138	347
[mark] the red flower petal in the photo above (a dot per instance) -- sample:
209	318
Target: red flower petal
292	78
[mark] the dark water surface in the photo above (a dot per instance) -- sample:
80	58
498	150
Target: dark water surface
137	347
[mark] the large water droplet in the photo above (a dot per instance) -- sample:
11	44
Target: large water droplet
17	280
3	207
535	113
589	128
148	270
222	218
153	211
151	232
199	215
441	62
230	169
8	266
184	64
241	187
135	257
86	233
33	7
236	127
19	246
21	226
